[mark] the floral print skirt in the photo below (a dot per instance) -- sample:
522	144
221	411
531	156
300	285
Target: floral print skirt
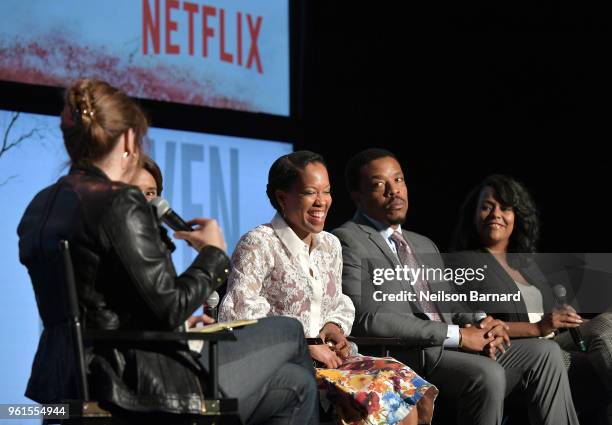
376	390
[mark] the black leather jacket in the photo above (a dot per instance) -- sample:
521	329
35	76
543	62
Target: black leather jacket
125	280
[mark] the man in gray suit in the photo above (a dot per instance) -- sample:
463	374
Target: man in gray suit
474	385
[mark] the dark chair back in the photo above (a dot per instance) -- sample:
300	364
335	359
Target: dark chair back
85	411
75	320
375	346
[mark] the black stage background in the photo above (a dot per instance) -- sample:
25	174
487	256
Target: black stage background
459	92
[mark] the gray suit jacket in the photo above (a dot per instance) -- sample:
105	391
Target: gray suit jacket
363	250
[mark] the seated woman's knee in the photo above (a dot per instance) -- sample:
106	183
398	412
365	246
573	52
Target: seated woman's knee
548	350
285	325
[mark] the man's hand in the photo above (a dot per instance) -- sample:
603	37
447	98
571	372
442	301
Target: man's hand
473	338
491	349
495	328
496	332
206	232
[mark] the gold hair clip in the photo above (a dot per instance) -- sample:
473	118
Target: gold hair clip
85	112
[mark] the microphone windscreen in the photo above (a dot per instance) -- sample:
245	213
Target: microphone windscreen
213	299
559	291
479	315
161	206
463	318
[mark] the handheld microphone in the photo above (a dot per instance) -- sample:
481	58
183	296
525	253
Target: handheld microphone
168	216
463	318
211	304
479	316
561	297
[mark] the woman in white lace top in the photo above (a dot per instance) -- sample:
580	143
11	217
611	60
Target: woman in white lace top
276	273
296	270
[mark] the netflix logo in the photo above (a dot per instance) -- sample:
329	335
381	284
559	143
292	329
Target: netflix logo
173	27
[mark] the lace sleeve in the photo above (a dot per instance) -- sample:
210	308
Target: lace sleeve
343	312
252	261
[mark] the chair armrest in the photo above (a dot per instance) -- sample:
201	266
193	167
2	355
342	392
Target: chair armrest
403	342
372	340
383	346
154	336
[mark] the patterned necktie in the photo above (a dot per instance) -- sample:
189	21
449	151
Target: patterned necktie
420	285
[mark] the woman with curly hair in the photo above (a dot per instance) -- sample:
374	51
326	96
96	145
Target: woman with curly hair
499	229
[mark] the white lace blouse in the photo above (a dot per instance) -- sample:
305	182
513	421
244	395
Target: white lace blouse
274	274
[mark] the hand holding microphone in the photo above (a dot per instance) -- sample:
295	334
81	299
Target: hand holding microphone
472	338
210	308
168	216
496	329
192	322
563	316
483	333
209	315
206	232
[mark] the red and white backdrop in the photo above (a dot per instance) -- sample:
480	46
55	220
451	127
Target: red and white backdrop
217	53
